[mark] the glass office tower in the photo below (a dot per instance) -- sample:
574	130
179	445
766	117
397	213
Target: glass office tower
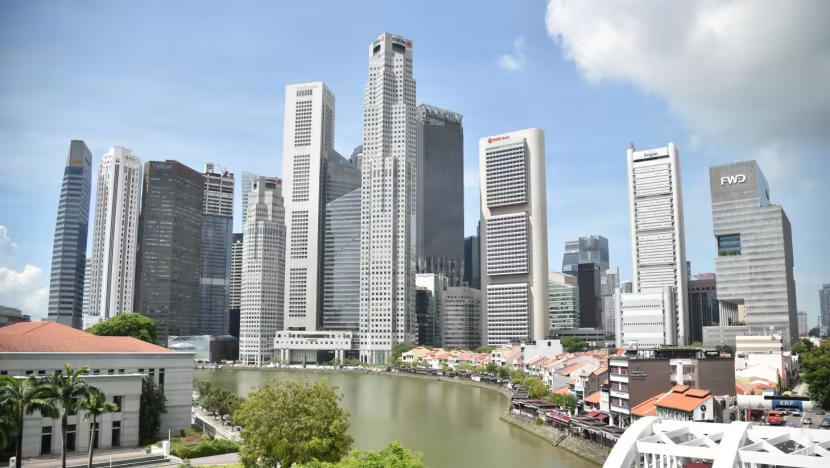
341	270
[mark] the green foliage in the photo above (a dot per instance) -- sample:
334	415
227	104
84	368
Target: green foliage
68	388
725	349
696	344
393	456
464	366
134	325
491	367
445	367
815	366
566	402
536	389
516	374
399	349
153	405
19	398
802	346
287	422
572	344
202	388
94	405
352	362
205	448
503	372
220	401
815	331
486	349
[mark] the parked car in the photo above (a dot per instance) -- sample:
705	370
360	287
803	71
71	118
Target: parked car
825	424
797	413
820	412
774	418
785	412
806	421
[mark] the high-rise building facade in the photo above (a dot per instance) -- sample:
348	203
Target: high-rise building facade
563	301
462	325
610	282
647	319
308	137
802	323
627	287
472	262
248	179
590	295
341	264
429	321
658	241
236	269
514	254
263	271
169	261
217	241
357	155
115	236
388	256
703	307
824	311
440	193
586	249
341	177
754	263
66	285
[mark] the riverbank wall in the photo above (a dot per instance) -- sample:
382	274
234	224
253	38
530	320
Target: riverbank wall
584	448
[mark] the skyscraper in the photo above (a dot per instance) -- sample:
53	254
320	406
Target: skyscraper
66	287
115	236
308	137
658	241
472	262
586	249
703	307
430	321
563	301
514	251
462	318
387	260
263	271
824	311
236	283
610	282
341	270
169	262
754	263
440	193
357	155
217	238
590	297
248	179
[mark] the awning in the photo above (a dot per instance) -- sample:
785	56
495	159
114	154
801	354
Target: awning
602	416
592	414
560	416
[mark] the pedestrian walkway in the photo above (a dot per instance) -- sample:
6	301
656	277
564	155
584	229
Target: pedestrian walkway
78	459
216	427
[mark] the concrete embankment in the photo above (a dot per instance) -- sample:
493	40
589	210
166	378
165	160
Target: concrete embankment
584	448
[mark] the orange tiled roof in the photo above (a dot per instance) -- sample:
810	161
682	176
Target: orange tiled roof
601	371
682	398
561	391
570	369
593	398
648	407
536	360
51	337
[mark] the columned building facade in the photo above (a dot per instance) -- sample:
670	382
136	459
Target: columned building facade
115	236
514	275
67	282
388	236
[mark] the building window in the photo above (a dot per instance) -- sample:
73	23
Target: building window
118	400
120	371
116	433
95	437
46	440
729	245
161	380
70	437
29	372
41	372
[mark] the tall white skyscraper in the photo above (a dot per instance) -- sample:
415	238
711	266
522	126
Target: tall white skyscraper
388	205
514	236
115	236
658	240
308	137
263	271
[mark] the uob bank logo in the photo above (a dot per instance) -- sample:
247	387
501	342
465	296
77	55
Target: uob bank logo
733	179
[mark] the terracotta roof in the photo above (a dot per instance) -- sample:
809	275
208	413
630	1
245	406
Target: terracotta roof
536	360
592	398
601	371
51	337
697	392
684	399
570	369
561	391
648	407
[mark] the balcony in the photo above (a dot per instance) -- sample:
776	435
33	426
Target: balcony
619	394
619	409
618	378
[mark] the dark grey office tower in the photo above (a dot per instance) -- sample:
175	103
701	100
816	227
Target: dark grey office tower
341	177
217	234
356	156
586	249
425	316
440	193
703	307
590	299
66	286
754	265
341	264
236	283
170	247
472	262
824	312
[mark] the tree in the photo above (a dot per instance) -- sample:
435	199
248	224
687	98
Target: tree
202	388
802	346
503	372
536	389
815	365
445	367
567	402
153	405
725	349
399	349
486	349
815	331
23	397
95	404
393	456
134	325
68	388
491	367
572	344
287	422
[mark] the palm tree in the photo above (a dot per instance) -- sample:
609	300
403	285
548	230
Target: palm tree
68	387
95	404
24	397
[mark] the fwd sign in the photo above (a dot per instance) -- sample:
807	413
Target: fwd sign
733	179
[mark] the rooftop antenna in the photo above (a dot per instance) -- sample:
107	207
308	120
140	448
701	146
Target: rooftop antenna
631	146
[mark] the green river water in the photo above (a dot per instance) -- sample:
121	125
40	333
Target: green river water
453	424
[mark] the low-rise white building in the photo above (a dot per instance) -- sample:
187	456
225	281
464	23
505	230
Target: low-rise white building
647	319
116	367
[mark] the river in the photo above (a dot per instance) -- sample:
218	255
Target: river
453	424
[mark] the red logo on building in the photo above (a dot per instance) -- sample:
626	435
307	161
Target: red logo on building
492	139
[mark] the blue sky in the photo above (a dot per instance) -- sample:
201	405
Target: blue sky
200	81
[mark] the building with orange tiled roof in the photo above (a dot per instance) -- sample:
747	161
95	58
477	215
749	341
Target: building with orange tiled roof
646	408
681	403
591	402
116	366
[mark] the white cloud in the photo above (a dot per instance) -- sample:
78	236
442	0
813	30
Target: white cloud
514	61
749	72
23	290
5	240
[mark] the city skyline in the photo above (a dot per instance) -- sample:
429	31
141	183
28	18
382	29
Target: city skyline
28	243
